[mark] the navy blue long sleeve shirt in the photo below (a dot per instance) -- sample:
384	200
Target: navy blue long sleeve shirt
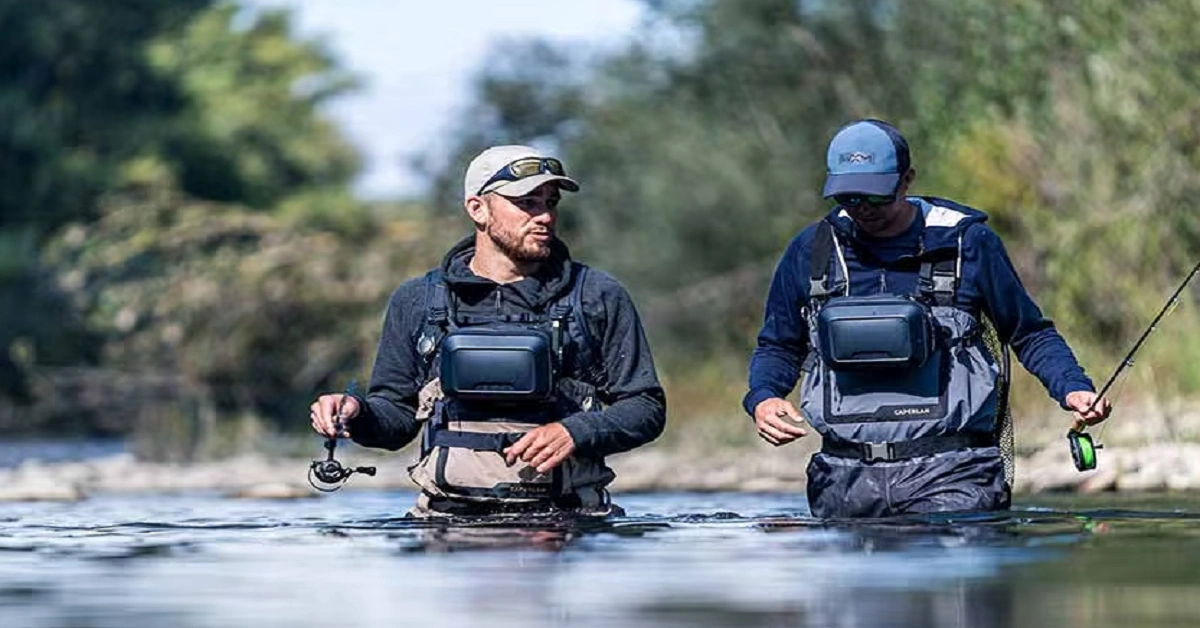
989	285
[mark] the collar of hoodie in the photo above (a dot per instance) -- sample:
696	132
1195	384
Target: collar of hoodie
531	293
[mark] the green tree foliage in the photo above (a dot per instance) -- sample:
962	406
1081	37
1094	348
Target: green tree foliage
212	237
223	254
259	311
700	147
175	265
251	133
78	97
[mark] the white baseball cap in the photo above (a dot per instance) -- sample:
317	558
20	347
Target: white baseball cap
484	173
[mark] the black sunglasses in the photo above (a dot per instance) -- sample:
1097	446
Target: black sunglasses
524	168
854	200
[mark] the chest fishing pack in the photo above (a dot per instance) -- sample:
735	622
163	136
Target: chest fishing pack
493	377
498	365
895	376
875	332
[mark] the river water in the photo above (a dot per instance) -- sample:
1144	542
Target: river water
696	560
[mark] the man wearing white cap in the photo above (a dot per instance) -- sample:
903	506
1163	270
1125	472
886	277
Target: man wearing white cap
520	368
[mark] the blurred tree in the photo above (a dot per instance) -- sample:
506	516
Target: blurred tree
180	124
182	273
700	145
254	309
79	97
252	132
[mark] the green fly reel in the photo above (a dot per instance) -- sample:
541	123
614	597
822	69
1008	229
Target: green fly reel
1083	450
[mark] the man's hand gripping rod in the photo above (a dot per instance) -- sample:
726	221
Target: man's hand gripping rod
330	473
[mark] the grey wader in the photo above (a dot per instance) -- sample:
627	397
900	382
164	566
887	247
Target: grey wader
904	392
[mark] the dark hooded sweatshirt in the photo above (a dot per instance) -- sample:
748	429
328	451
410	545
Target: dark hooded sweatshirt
989	285
634	410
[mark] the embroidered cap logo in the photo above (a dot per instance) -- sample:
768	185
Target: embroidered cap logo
856	157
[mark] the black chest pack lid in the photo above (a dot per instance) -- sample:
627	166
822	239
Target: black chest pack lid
878	331
497	364
875	331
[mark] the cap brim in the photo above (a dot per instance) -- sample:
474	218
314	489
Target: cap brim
529	184
862	183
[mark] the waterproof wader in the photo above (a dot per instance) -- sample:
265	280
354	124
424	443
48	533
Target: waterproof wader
903	391
508	375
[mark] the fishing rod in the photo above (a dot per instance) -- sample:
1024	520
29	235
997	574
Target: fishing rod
1083	449
330	473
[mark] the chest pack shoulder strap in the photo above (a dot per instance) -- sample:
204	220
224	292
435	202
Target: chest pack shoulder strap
822	259
567	313
938	278
437	316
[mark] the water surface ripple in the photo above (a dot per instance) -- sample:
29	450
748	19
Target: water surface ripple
710	560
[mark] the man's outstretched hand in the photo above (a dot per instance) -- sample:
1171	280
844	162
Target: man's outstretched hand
777	421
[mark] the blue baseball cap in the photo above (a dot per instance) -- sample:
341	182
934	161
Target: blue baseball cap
866	157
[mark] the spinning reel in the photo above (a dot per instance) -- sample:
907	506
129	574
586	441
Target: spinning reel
329	474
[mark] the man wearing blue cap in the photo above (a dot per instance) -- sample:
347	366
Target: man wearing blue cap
883	305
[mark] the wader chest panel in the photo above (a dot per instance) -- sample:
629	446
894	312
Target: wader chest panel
500	377
895	376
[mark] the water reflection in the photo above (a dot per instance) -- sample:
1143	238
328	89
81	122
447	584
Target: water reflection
451	538
678	560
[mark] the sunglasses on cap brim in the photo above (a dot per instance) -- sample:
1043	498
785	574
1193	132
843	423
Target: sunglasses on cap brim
523	169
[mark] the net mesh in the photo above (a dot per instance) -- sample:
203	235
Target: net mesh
1004	421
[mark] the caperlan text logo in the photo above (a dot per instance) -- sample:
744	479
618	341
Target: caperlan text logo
856	157
911	411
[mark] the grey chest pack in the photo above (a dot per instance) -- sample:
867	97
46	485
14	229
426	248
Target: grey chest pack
895	376
499	375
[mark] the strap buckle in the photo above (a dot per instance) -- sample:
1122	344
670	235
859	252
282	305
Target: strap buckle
944	283
877	452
